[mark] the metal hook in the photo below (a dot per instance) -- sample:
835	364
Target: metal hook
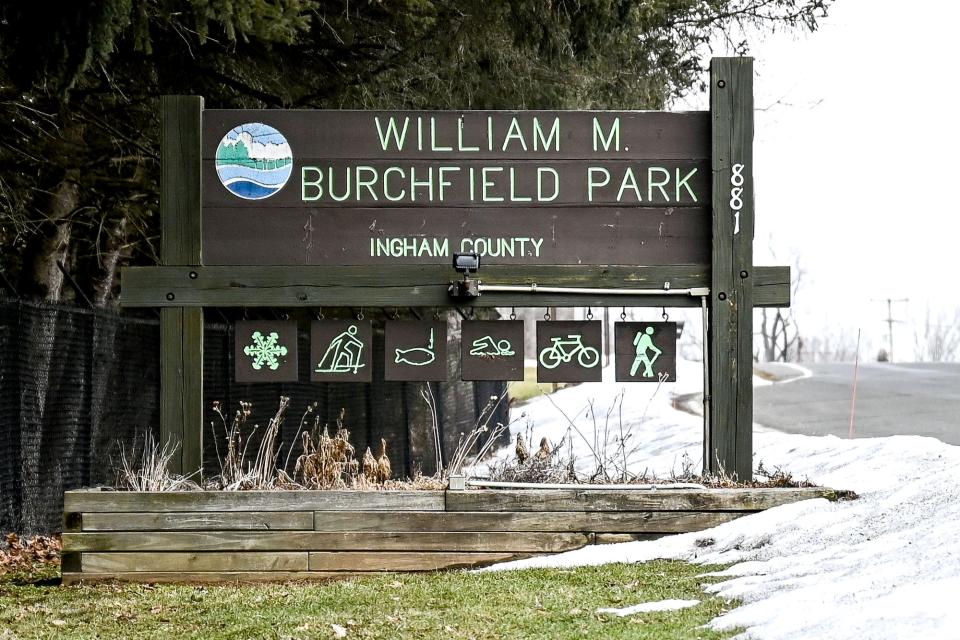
546	316
623	314
319	314
360	314
665	315
436	313
396	313
589	313
513	313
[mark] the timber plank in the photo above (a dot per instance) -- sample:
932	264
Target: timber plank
190	562
180	223
181	577
617	538
172	393
200	521
181	330
72	521
70	562
402	561
559	521
729	443
629	500
521	542
191	344
653	135
625	235
573	194
406	285
176	501
419	285
771	286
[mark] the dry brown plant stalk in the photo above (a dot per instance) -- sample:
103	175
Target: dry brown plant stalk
468	441
329	462
147	467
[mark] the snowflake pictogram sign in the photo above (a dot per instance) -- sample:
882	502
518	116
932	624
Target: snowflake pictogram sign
265	350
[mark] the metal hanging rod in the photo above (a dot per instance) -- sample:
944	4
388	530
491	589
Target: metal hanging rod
697	292
479	482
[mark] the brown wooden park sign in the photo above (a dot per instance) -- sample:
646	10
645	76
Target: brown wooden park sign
280	208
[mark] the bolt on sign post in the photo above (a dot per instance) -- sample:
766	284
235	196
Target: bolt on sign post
297	208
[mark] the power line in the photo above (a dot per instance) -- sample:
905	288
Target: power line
890	320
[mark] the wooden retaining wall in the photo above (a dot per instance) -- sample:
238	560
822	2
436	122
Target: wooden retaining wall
284	535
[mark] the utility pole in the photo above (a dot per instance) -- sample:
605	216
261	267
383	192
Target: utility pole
889	320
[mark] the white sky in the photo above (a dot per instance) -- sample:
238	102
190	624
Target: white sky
856	162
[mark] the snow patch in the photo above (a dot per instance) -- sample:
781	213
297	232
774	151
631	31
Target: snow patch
647	607
884	566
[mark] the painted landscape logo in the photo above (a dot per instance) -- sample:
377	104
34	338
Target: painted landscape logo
254	161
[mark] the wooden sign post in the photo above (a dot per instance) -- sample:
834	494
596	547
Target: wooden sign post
275	208
728	437
181	327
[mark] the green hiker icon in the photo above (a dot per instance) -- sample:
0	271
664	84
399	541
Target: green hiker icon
644	344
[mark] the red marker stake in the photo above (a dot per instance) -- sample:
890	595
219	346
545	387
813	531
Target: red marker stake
853	399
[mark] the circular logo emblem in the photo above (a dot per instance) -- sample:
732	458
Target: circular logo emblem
254	161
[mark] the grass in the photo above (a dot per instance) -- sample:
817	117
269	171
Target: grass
516	604
528	388
766	375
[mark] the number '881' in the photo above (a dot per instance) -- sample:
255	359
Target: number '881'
736	189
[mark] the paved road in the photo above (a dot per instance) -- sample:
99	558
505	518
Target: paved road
892	399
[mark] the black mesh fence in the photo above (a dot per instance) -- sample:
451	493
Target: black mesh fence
73	385
78	386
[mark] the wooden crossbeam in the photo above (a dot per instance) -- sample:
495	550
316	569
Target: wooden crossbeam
421	285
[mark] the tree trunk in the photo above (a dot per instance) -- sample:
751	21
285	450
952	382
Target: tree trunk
113	250
41	275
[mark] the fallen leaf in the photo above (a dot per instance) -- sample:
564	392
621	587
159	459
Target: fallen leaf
338	631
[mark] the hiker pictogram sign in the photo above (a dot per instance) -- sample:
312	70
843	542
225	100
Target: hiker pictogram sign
645	351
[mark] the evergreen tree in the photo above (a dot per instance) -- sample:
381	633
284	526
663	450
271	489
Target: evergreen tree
79	87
